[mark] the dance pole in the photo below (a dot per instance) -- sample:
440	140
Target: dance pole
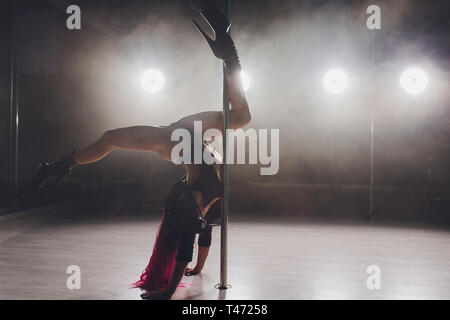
373	60
225	7
372	128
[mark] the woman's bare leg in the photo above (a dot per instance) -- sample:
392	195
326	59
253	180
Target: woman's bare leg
142	138
139	138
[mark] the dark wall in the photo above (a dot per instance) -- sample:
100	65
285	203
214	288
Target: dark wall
5	80
74	85
5	68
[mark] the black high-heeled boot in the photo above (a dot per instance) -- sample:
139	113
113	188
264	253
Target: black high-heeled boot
223	46
52	173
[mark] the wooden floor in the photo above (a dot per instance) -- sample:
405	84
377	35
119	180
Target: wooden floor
269	259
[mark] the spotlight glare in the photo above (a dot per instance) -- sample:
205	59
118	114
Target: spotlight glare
245	80
152	81
414	81
335	81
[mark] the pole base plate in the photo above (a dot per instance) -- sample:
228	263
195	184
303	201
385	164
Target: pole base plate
219	286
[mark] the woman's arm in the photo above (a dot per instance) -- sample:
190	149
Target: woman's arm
204	243
201	259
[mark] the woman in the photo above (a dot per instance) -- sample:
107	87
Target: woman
193	204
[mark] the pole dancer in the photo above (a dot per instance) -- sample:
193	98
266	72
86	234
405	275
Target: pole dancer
192	205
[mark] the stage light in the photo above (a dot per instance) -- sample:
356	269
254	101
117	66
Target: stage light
245	80
335	81
152	81
414	81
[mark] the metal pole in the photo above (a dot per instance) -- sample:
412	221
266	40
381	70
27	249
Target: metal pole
371	168
16	151
11	124
225	6
373	60
413	161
